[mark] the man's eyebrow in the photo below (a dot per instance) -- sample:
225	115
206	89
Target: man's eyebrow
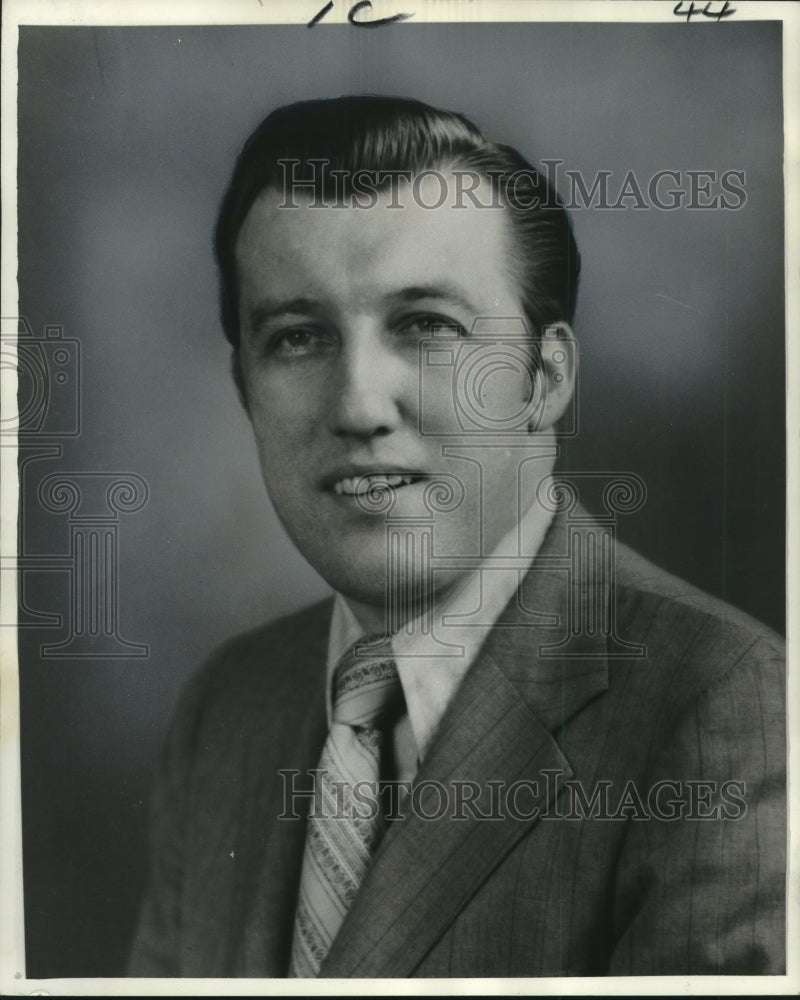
444	291
268	309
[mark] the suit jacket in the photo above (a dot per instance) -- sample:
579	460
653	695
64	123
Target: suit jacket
548	886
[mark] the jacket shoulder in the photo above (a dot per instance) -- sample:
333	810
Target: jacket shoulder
292	635
654	586
280	659
692	641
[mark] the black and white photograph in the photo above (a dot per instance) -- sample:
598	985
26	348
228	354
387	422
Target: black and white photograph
399	497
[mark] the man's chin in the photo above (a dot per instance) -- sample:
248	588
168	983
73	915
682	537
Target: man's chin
380	600
365	582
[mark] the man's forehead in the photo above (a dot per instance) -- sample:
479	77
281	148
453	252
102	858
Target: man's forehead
406	229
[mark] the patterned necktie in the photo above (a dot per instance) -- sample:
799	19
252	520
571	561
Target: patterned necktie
343	831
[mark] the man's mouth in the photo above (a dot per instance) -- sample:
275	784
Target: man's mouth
360	485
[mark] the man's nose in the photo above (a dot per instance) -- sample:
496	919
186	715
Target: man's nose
367	390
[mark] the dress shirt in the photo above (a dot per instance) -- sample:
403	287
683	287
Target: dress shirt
429	682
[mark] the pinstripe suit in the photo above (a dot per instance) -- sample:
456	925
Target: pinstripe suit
537	892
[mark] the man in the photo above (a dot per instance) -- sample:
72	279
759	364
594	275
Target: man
509	746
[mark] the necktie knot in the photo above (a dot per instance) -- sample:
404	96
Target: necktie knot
366	683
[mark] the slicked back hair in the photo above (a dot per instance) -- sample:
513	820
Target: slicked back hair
383	135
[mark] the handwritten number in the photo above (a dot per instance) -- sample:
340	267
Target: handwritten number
679	10
318	17
725	11
351	17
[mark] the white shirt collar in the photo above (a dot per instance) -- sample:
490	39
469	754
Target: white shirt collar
463	620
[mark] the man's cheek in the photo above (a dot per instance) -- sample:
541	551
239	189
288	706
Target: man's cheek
282	468
475	389
438	406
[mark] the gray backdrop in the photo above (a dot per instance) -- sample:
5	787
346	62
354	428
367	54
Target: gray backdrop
127	136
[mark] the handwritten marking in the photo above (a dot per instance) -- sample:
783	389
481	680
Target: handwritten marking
318	17
351	16
725	11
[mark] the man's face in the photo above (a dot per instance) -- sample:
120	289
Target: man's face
334	305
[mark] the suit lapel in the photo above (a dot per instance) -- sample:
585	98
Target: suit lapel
501	728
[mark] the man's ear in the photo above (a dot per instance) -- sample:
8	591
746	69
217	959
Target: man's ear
238	379
555	380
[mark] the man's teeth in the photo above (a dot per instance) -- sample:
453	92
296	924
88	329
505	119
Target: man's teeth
363	484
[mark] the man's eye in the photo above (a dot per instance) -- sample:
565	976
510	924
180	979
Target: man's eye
429	325
299	342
